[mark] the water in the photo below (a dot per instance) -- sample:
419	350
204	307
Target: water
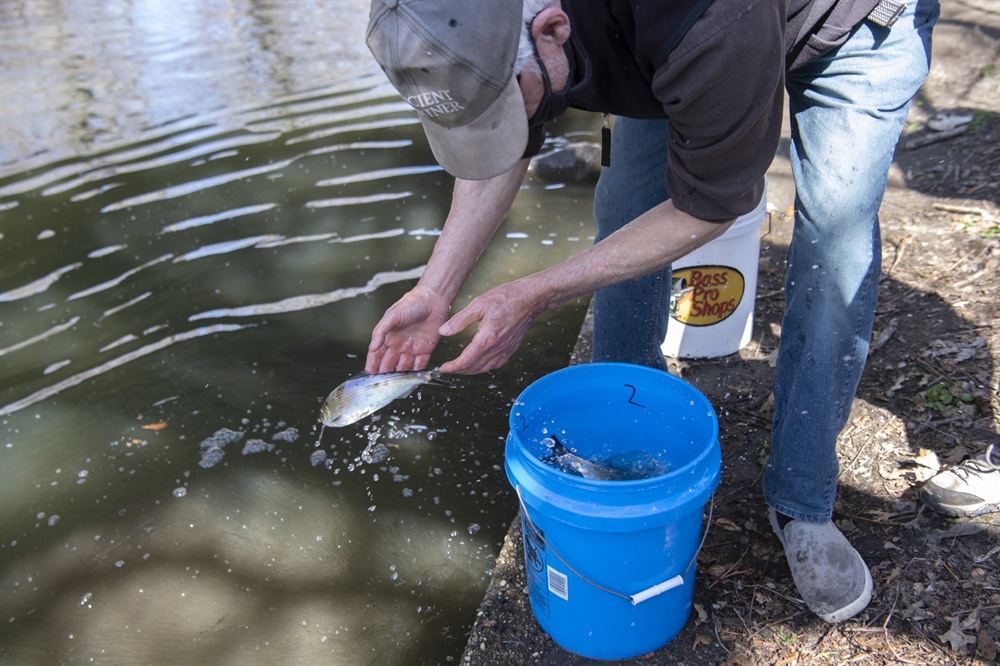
621	466
204	210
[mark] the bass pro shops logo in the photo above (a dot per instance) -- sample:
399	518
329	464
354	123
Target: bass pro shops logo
705	295
434	104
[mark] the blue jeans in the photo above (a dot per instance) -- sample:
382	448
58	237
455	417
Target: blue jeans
847	110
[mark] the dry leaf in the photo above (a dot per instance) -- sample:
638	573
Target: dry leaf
155	426
790	659
972	623
702	615
701	639
956	454
987	648
727	524
928	459
955	636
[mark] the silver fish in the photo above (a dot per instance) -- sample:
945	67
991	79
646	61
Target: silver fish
366	394
565	460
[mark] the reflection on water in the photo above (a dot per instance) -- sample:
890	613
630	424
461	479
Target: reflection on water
205	207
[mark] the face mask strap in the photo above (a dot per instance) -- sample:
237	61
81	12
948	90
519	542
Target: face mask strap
552	104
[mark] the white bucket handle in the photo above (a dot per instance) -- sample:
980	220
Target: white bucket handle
638	597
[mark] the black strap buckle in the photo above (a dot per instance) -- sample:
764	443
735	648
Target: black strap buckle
886	13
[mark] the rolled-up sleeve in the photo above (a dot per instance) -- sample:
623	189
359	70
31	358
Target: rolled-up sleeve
723	92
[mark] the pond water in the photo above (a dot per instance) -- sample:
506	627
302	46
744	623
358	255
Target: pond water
205	207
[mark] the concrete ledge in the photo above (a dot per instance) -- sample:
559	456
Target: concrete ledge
505	632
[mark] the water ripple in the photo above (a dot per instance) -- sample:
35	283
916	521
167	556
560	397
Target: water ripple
209	219
351	201
197	185
119	308
378	175
227	246
58	328
39	285
307	301
81	377
114	282
105	251
172	158
302	122
356	127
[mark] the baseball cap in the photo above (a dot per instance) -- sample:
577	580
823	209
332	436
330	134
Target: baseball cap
453	61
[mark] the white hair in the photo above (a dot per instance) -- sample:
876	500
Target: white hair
525	52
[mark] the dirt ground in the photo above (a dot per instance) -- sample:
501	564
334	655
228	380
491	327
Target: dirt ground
928	398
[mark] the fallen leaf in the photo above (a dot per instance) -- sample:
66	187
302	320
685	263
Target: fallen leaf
972	623
955	636
928	459
702	615
955	455
959	528
154	426
727	524
701	639
987	648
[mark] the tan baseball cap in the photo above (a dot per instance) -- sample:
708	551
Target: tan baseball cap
453	61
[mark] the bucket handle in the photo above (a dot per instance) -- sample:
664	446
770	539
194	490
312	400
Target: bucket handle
638	597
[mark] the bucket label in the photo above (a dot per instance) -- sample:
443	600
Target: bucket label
534	566
558	584
705	295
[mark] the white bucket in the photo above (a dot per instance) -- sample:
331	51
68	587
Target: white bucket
713	292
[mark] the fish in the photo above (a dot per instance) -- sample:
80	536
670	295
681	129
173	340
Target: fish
565	460
627	466
365	394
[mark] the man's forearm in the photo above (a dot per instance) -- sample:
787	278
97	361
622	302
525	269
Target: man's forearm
477	209
649	243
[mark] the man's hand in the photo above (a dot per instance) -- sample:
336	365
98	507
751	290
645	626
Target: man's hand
408	332
504	314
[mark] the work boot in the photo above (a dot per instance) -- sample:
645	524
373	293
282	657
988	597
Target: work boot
830	575
970	489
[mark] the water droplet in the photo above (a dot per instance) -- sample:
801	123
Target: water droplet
180	492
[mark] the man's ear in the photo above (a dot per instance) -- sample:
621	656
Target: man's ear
550	25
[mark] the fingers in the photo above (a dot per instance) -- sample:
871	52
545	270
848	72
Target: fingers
462	320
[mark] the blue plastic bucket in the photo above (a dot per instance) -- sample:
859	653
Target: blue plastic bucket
610	564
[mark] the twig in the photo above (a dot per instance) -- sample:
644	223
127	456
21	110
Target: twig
900	251
865	445
716	624
962	209
987	555
934	137
723	576
784	619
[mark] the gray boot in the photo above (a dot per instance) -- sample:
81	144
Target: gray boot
829	574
